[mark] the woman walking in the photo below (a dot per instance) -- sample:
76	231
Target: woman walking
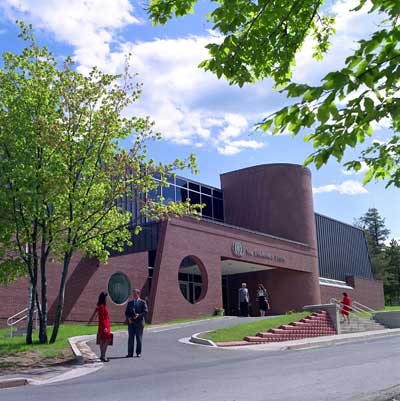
346	308
262	296
104	335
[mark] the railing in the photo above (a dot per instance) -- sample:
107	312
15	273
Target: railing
20	316
355	309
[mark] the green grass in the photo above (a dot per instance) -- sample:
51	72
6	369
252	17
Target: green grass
387	308
14	345
238	332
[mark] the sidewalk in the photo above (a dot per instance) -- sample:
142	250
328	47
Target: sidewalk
304	343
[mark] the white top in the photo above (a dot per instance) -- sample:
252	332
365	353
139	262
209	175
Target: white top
262	293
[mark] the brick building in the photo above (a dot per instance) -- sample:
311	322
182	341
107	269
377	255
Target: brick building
259	227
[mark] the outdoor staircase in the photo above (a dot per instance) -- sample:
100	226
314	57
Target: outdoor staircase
359	324
316	325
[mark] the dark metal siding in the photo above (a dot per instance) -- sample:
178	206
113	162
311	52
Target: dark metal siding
342	250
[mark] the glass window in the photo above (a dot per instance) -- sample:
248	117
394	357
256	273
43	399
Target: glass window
190	280
217	193
207	209
154	193
194	197
171	179
119	288
205	190
168	194
194	187
181	194
218	209
181	182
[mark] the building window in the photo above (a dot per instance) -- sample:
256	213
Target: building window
119	288
190	280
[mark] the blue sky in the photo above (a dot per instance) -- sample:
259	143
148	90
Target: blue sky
194	110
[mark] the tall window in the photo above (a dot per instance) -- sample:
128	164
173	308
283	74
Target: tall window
190	280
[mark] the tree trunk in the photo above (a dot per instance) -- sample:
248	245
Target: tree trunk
31	308
61	295
43	315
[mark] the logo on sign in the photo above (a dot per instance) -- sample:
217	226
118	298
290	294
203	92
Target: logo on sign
237	248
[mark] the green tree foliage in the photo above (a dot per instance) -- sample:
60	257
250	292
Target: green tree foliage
392	281
63	169
375	229
376	234
261	39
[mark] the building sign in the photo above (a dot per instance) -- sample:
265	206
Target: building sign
238	249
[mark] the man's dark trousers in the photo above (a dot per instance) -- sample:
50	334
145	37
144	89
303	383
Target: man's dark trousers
244	309
135	331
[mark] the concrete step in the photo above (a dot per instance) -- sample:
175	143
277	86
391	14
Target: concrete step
360	324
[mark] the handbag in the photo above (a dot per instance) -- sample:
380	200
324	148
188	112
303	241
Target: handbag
110	341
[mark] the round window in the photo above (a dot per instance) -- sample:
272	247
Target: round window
190	279
119	288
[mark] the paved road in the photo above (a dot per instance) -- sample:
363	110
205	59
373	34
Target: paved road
172	371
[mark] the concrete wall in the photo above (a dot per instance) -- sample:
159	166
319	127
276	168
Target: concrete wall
390	319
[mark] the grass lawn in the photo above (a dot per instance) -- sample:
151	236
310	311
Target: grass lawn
236	333
14	345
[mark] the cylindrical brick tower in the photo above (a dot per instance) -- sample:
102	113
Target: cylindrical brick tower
277	199
274	199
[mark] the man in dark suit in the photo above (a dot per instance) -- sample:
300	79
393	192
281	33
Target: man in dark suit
135	313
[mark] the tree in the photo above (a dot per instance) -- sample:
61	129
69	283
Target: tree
261	39
392	282
63	169
376	234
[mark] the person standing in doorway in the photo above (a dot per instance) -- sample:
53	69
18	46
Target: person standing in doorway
244	300
263	299
346	308
136	311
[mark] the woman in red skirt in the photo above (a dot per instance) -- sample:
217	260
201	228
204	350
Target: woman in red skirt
346	307
104	335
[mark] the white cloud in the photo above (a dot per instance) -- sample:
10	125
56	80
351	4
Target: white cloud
350	27
349	187
190	106
234	147
90	26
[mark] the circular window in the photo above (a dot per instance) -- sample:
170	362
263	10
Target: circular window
119	288
190	279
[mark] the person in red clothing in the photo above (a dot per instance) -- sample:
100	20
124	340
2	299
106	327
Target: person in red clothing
346	307
104	335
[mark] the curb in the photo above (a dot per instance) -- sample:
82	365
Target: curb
313	342
13	383
83	356
202	341
83	353
346	340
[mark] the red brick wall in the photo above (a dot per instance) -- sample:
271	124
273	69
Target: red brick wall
86	279
294	282
368	292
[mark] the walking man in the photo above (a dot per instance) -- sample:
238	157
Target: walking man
244	300
135	313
